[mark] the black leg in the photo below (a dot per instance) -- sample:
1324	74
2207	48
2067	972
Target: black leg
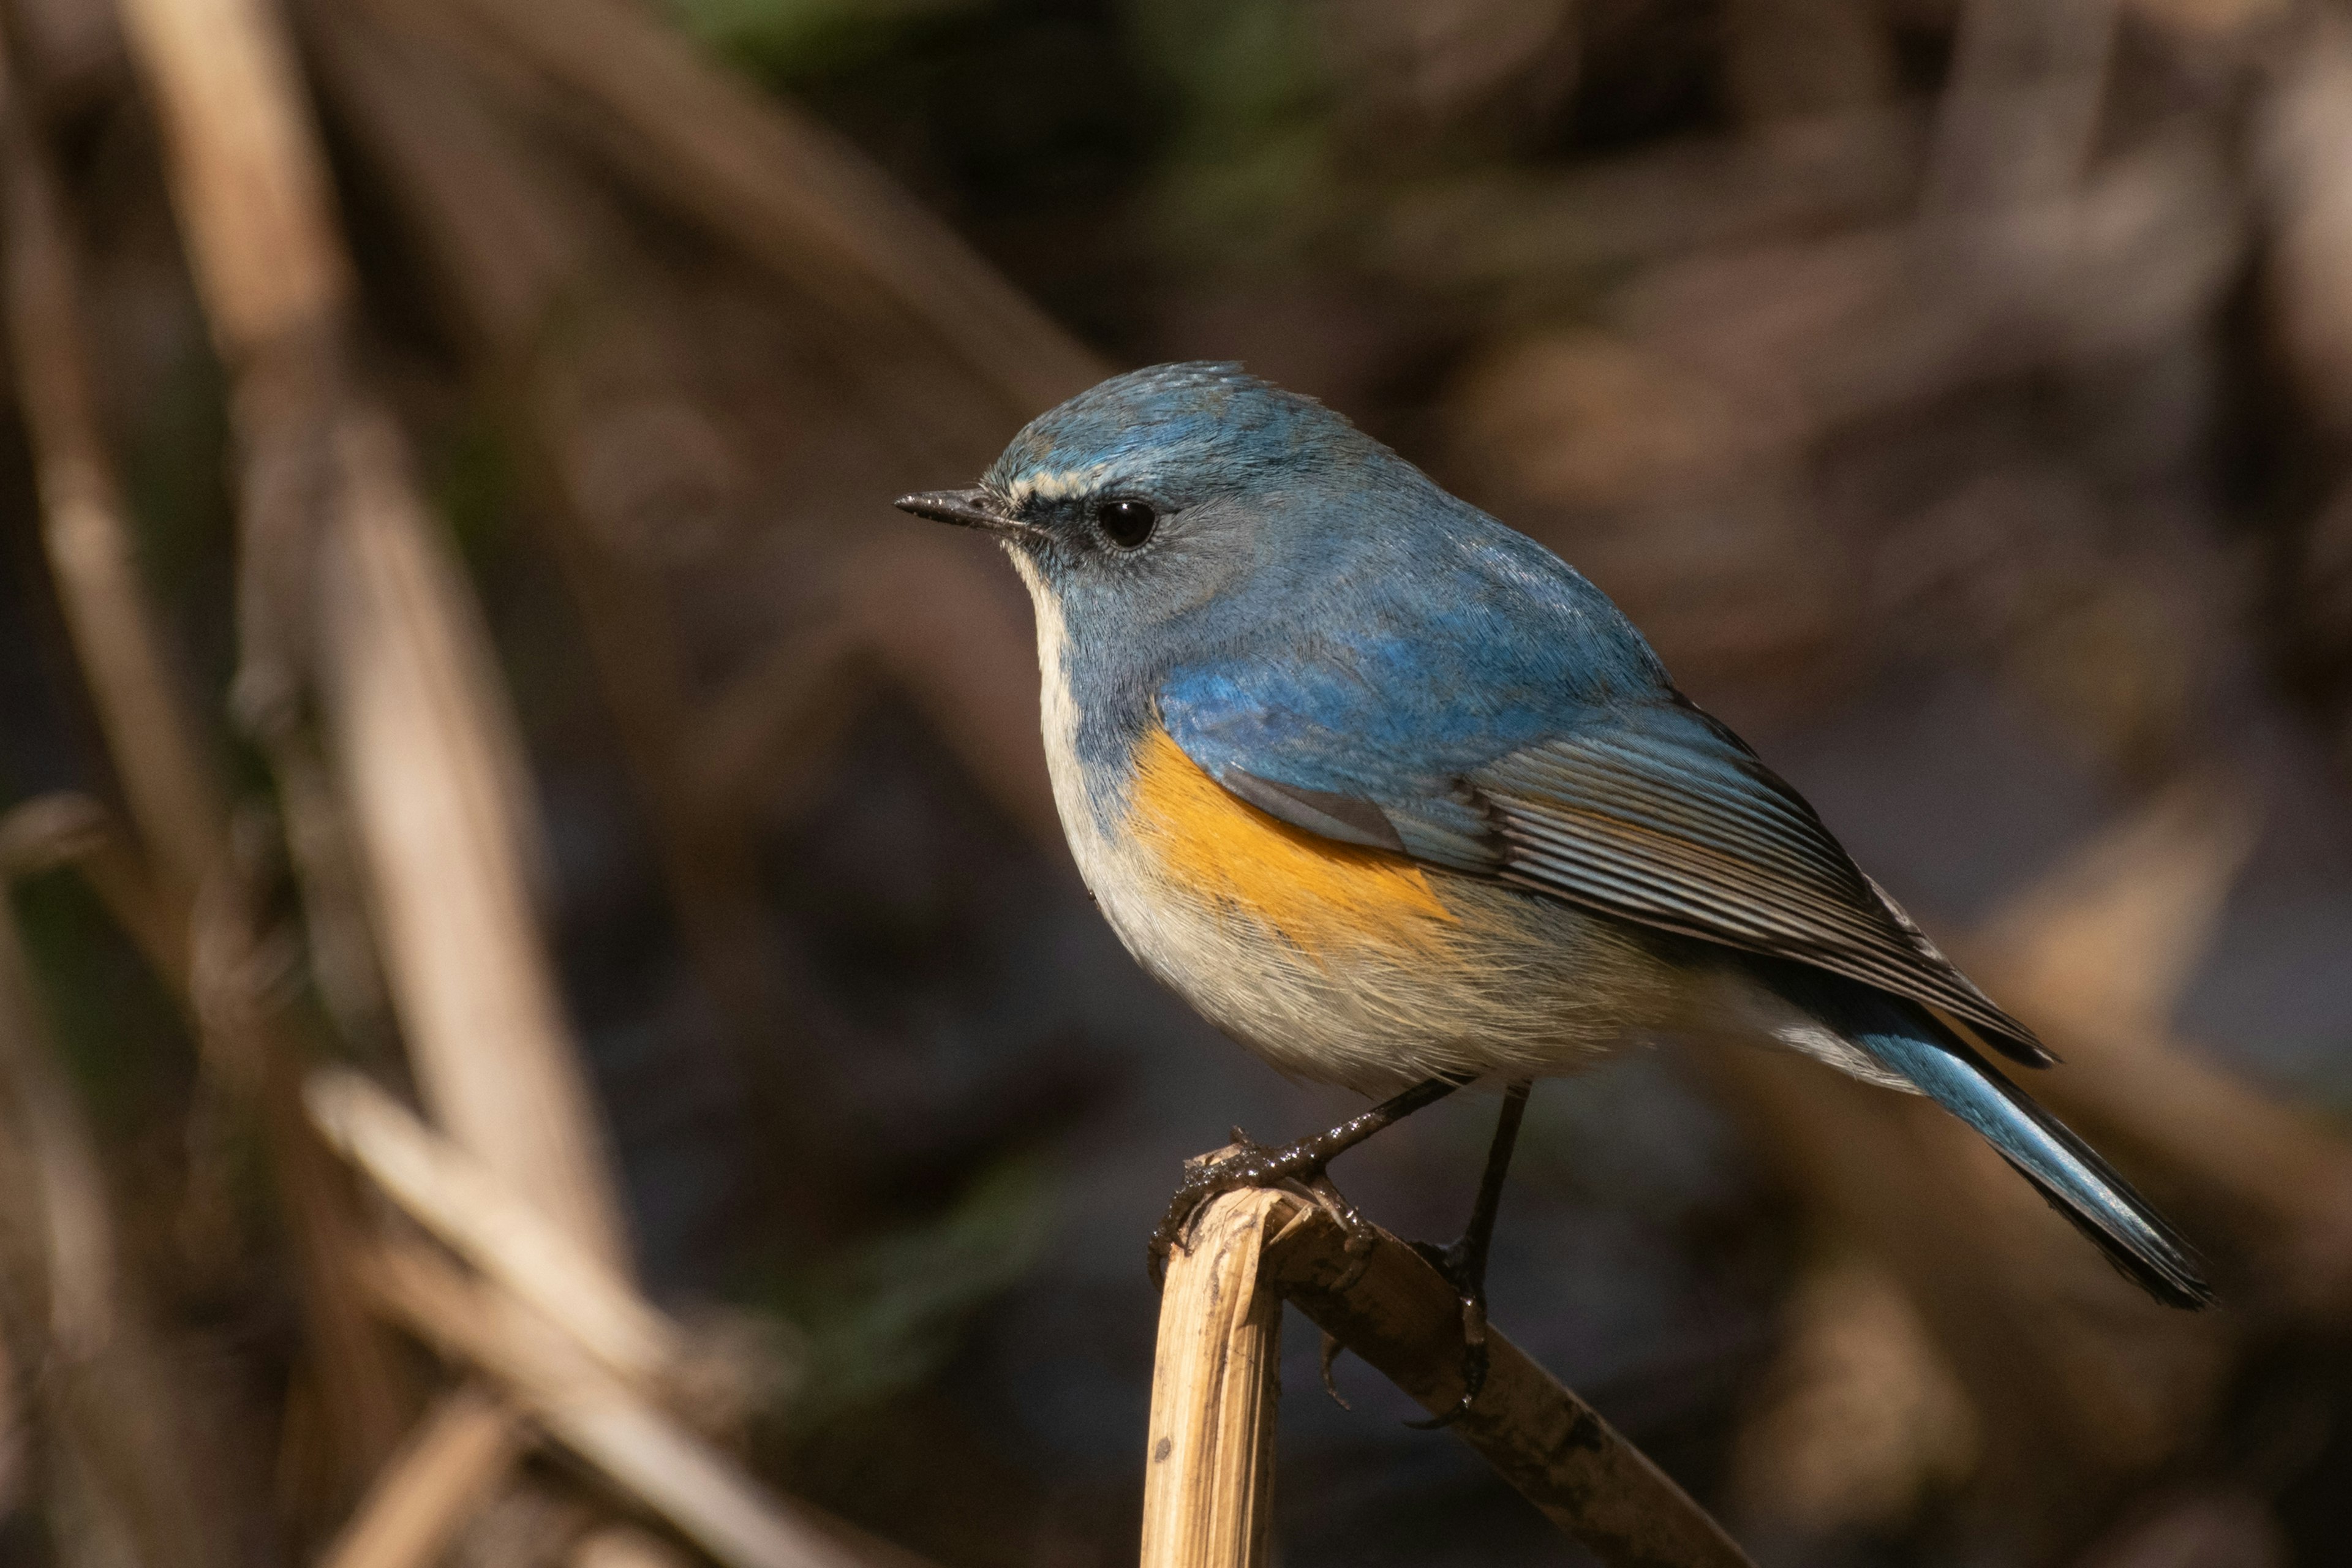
1465	1262
1255	1165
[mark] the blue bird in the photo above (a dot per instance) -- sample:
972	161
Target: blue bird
1400	801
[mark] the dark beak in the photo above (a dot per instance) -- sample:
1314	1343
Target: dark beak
966	509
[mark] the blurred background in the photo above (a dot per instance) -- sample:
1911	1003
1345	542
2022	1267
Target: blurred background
452	626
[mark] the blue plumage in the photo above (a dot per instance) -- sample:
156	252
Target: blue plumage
1376	666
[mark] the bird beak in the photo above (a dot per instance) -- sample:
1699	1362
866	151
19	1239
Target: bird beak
966	509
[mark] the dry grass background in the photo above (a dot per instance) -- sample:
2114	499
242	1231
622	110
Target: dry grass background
453	632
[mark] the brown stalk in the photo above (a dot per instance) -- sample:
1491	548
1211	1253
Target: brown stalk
622	1546
2016	122
785	190
512	257
426	759
461	1455
640	1447
466	1208
173	792
110	1397
51	831
541	278
522	274
148	729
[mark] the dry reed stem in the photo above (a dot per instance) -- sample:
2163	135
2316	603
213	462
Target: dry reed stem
428	758
460	1456
1396	1312
524	270
423	735
91	548
69	1203
638	1446
247	176
465	1205
110	1398
1208	1484
787	191
622	1546
174	794
62	829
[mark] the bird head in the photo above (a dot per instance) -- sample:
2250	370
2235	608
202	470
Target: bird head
1165	490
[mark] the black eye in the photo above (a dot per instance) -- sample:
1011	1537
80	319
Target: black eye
1126	523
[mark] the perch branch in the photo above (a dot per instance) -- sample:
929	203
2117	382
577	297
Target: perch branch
1208	1486
1396	1312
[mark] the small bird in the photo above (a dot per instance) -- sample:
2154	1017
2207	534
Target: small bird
1400	801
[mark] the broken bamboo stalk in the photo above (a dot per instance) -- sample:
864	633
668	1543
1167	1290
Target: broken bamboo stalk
1392	1309
1208	1486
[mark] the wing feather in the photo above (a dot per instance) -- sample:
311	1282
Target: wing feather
1651	828
1644	807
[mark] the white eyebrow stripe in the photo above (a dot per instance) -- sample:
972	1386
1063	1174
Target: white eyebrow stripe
1058	484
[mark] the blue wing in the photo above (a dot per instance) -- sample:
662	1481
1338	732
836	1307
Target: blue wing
1627	800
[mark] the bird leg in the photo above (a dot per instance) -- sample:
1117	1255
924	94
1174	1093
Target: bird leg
1252	1164
1464	1263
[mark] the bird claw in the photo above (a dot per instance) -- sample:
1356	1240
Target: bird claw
1245	1163
1300	1166
1471	1294
1242	1165
1330	1352
1357	1236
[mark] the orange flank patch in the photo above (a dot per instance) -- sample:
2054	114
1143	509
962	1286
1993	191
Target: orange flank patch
1321	896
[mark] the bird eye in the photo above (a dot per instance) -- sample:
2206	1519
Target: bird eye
1126	523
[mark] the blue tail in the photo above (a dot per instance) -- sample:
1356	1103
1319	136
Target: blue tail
2067	1172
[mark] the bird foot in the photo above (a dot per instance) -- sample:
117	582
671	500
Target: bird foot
1240	1166
1245	1163
1456	1264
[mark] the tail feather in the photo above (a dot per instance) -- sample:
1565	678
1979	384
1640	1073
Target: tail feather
2066	1171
